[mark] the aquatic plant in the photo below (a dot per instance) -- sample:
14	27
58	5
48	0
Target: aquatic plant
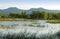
24	34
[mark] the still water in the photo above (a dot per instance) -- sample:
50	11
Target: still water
23	23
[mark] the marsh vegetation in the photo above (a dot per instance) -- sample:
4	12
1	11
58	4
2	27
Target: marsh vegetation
29	29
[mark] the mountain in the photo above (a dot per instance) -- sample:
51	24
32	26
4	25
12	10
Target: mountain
42	9
32	9
14	9
11	9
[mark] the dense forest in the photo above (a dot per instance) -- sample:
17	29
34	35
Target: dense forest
37	14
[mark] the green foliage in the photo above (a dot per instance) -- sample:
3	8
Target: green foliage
36	14
14	15
24	14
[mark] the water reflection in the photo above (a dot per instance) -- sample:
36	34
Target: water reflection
23	23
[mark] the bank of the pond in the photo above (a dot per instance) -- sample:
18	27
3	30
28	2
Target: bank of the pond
22	19
12	19
53	21
15	19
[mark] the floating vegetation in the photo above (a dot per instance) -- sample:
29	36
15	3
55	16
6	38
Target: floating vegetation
30	25
53	21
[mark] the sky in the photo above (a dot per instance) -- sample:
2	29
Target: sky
27	4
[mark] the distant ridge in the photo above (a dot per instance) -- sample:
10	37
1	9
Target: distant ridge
14	9
11	9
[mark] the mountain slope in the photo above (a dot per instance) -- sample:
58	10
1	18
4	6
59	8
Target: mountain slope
42	9
14	9
11	9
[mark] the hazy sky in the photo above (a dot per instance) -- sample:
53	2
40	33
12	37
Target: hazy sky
27	4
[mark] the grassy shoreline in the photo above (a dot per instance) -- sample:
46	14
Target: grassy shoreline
16	19
22	19
53	21
12	19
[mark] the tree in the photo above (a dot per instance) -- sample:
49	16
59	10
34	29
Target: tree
24	14
14	15
37	14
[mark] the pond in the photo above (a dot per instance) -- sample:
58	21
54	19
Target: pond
29	29
23	23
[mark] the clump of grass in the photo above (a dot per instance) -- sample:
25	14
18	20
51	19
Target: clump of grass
24	24
30	25
53	21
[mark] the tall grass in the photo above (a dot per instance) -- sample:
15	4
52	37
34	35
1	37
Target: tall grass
28	35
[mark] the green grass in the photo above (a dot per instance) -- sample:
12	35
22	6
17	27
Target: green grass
53	21
12	19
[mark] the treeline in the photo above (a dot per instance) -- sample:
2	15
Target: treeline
34	15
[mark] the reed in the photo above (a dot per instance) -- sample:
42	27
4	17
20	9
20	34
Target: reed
28	35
